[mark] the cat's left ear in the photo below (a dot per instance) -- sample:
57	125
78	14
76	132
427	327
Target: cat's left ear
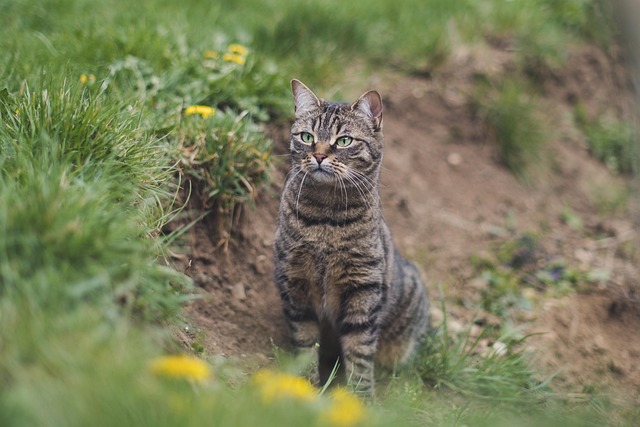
370	104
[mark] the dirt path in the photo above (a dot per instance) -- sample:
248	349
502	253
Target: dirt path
447	199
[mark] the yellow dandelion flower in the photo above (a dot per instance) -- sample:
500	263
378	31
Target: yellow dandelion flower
181	366
84	79
345	410
233	57
275	385
238	49
211	54
204	110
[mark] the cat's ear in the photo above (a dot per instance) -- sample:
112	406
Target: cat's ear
305	100
370	104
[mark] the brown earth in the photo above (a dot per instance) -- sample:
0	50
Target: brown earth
447	198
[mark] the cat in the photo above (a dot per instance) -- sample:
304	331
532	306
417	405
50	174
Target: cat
342	283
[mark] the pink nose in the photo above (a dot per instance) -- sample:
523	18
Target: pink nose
319	157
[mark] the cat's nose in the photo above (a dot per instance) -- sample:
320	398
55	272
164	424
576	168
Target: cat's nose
319	157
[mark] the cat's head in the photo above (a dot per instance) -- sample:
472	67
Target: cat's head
333	142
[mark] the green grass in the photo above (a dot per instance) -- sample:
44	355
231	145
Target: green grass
227	155
89	168
514	120
81	191
612	141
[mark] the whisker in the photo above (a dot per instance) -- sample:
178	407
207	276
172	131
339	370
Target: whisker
363	180
343	190
288	179
364	177
359	181
300	191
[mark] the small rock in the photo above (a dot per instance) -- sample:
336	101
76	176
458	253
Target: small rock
599	344
454	159
238	292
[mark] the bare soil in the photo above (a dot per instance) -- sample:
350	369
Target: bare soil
447	198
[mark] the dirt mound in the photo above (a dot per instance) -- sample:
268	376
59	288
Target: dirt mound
446	198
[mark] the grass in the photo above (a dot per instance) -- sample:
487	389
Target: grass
515	121
520	272
611	141
96	128
228	154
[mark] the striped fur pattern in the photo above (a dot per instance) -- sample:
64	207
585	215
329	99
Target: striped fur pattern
342	283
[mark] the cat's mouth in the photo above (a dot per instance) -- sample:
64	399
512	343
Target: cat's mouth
322	173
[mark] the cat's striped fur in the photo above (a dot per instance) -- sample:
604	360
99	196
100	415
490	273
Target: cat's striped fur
342	282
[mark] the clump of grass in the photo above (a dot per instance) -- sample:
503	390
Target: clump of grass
228	153
464	381
80	190
591	19
512	118
83	131
610	198
457	363
611	141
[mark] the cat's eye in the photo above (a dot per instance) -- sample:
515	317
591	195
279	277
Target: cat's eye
344	141
306	137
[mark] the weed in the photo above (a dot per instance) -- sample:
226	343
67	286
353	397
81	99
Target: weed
610	198
613	142
227	152
512	118
520	269
572	219
458	363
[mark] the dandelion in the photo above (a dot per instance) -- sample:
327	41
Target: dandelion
181	366
234	57
84	79
345	410
274	385
211	54
204	110
237	49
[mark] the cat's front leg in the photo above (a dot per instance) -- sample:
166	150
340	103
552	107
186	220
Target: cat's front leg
300	317
358	326
302	326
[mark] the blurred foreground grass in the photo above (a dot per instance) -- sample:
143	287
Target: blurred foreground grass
103	103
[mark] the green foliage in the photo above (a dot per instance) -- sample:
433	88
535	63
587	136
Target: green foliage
458	363
513	120
591	19
519	271
612	141
572	219
227	152
610	198
79	186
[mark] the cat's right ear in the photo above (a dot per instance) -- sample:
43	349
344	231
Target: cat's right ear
305	99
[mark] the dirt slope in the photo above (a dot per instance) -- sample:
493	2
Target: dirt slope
446	198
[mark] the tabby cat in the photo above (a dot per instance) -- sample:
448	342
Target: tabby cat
342	283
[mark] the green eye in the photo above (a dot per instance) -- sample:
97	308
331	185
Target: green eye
306	137
344	141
